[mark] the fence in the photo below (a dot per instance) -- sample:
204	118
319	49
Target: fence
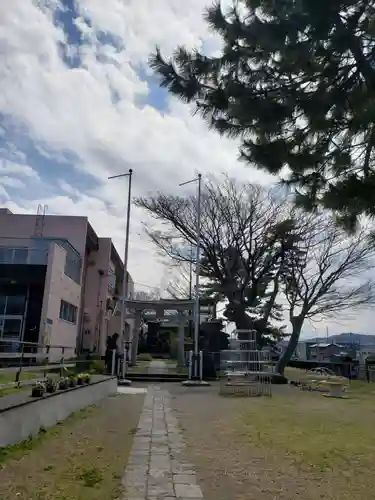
10	376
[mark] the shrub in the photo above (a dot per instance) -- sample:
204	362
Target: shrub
83	378
98	366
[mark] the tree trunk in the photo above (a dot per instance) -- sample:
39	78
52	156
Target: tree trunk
297	323
237	314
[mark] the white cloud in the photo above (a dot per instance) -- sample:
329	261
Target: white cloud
11	182
9	168
74	110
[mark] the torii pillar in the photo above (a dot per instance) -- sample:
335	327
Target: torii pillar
181	339
135	336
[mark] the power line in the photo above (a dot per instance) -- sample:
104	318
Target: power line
146	286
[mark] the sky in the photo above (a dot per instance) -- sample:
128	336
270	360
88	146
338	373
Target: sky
78	104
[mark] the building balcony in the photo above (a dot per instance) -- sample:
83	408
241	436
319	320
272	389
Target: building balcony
34	251
25	256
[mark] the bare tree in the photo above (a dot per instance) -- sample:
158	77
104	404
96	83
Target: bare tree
327	274
181	287
246	231
151	294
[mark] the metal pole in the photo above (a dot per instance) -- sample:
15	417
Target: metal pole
197	272
126	253
190	362
191	312
113	362
191	272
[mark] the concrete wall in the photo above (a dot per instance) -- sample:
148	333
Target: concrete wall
74	229
100	322
59	287
19	423
95	296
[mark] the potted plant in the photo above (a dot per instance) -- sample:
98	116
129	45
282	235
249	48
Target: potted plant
63	383
87	378
72	381
51	385
38	389
81	379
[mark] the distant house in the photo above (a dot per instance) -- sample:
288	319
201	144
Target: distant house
323	352
364	351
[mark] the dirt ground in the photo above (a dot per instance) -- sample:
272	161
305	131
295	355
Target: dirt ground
81	459
257	448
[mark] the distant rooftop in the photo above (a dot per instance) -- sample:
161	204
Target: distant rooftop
327	345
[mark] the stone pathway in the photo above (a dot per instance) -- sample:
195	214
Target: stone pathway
158	366
157	468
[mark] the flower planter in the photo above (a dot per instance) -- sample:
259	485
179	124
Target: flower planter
51	388
37	392
72	382
63	385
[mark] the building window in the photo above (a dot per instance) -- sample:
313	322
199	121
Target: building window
68	312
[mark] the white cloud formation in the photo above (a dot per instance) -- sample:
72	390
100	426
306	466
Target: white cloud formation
74	110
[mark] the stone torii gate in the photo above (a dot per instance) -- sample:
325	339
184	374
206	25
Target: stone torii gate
137	307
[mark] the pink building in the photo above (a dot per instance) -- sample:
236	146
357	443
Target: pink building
59	283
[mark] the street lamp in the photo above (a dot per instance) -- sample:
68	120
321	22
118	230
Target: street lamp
126	253
197	272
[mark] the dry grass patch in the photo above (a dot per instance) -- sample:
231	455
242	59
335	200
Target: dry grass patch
294	445
83	458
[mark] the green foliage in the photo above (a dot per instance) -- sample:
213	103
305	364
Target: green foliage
90	477
97	366
296	83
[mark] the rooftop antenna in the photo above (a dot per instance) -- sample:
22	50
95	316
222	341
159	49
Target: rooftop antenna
40	220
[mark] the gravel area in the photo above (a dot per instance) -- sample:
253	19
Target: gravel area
81	459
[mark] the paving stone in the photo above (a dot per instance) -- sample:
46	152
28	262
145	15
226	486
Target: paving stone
160	498
162	460
179	468
162	490
158	451
184	479
135	491
188	491
139	453
138	459
165	473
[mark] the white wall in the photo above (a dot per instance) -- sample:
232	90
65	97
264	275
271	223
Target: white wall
59	287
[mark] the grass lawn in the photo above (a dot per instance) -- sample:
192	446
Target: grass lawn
140	367
170	361
83	458
6	378
294	445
